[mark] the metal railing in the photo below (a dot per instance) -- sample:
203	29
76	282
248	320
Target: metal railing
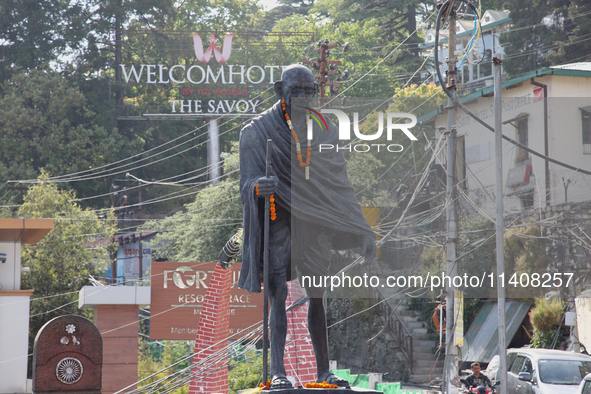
397	330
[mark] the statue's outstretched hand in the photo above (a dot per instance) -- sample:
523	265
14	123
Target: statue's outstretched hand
267	185
368	249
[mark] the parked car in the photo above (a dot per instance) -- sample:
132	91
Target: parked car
542	371
585	386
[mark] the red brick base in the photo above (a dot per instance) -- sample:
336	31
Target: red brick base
211	355
300	363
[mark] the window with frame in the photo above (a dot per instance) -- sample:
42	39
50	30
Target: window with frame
510	358
586	123
516	367
527	200
522	138
527	366
485	68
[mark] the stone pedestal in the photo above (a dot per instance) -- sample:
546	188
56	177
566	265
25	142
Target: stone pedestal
68	357
116	317
299	358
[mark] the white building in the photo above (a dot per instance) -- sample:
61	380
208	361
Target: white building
15	302
476	69
547	110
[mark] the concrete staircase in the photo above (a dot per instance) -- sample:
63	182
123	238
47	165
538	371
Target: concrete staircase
428	369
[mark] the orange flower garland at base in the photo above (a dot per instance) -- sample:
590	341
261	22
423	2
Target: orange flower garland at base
272	201
322	385
265	386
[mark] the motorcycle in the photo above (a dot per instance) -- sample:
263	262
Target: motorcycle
477	389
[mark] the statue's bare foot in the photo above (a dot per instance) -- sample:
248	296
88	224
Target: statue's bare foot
280	381
331	378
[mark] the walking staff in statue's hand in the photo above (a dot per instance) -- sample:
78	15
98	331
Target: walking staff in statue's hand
315	212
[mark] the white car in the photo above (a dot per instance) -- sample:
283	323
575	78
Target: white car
542	371
585	386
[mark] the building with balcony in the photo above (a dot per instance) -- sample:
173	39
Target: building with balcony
476	70
549	111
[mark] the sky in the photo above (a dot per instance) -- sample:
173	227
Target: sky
268	4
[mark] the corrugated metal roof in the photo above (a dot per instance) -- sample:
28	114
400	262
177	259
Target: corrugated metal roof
481	341
584	66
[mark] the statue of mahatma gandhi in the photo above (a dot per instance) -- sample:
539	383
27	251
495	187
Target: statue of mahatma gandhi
316	212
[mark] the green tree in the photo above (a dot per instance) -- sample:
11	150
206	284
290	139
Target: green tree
158	355
36	32
479	251
201	231
545	318
546	33
364	56
63	261
362	171
245	372
45	123
376	174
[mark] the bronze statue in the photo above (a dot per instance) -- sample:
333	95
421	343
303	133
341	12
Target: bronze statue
315	212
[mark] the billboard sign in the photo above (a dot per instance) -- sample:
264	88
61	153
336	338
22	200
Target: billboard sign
178	291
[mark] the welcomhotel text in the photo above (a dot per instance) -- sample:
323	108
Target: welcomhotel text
439	281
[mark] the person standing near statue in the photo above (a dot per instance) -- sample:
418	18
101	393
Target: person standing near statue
314	211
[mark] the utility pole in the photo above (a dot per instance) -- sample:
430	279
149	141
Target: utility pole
213	151
451	351
140	248
502	374
119	12
327	67
324	51
21	189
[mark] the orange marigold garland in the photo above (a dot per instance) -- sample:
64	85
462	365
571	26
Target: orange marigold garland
272	207
271	200
322	385
305	164
265	386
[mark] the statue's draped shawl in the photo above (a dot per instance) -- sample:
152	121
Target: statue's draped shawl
326	199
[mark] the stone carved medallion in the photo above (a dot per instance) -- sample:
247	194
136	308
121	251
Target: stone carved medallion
69	370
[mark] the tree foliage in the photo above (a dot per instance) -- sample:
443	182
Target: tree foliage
376	174
545	317
200	232
63	261
245	372
546	33
37	32
46	124
156	356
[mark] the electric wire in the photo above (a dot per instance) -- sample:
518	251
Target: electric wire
468	112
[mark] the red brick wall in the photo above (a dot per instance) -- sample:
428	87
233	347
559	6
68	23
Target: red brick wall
211	371
120	346
299	359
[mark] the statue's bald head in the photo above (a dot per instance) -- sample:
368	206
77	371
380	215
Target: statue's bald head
296	81
296	70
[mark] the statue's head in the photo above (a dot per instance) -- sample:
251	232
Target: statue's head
296	81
